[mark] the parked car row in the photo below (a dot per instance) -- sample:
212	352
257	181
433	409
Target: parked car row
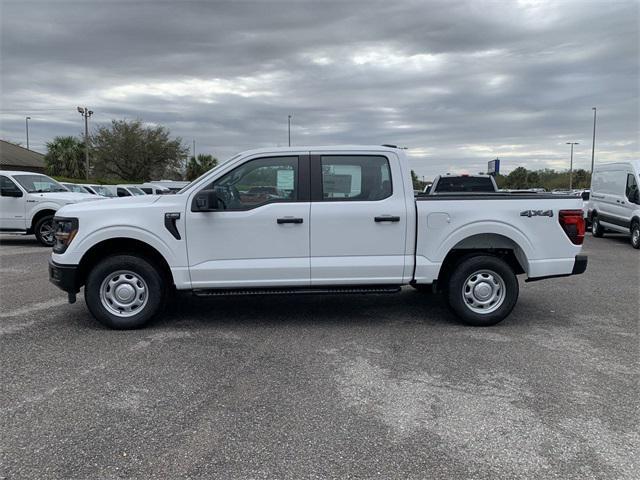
28	200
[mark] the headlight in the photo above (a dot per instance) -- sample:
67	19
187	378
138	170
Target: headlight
65	229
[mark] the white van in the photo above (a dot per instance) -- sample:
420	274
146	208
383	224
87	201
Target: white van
615	200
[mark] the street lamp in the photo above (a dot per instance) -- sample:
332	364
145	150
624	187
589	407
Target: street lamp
86	113
571	165
26	122
593	143
289	127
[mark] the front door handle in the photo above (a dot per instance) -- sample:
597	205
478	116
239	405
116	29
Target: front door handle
289	220
387	218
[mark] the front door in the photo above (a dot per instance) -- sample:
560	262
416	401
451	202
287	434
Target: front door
358	219
12	208
259	237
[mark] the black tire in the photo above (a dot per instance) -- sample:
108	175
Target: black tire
597	230
44	231
635	234
132	275
490	273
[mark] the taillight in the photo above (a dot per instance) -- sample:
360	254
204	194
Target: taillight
572	222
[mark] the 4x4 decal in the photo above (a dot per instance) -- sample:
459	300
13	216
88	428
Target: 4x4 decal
537	213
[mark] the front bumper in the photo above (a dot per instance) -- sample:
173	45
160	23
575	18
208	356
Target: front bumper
65	277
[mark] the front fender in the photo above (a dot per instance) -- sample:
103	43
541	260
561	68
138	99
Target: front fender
77	250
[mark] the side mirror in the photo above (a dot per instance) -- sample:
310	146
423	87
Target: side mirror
205	201
10	192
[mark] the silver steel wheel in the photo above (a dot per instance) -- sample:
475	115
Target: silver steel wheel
124	293
635	236
47	232
483	291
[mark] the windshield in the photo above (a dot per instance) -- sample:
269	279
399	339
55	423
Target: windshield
136	191
39	184
75	188
104	191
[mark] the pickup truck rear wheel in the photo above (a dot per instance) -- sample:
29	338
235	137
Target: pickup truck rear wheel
482	290
124	291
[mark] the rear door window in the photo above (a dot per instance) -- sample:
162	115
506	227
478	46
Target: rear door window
355	178
464	184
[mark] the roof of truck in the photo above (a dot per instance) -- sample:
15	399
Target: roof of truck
323	148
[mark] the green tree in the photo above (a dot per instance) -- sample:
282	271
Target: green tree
132	151
518	178
65	157
197	166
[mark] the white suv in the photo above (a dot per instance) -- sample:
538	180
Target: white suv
28	202
615	200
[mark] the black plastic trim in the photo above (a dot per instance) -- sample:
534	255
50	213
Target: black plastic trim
493	196
65	277
613	220
170	219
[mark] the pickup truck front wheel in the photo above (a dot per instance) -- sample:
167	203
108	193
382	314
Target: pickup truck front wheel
124	291
482	290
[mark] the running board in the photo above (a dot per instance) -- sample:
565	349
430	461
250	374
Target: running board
221	292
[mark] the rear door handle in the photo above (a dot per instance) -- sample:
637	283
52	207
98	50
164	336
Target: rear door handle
289	220
387	218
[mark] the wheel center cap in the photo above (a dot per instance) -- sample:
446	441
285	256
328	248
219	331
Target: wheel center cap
125	292
482	291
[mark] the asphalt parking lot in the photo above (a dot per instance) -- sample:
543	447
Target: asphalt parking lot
382	386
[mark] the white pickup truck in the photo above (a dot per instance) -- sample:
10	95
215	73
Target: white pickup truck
312	219
28	202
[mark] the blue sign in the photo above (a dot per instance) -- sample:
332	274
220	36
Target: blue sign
493	167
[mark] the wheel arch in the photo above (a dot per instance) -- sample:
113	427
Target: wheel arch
125	246
493	244
39	214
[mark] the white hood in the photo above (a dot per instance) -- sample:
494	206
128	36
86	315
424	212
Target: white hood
67	197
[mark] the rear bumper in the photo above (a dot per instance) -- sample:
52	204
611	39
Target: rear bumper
579	267
65	277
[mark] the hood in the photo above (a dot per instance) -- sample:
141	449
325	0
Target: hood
67	197
108	204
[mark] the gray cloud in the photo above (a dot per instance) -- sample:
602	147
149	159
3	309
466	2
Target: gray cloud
458	82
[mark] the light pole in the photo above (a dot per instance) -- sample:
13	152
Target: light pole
26	122
289	127
593	142
86	113
571	165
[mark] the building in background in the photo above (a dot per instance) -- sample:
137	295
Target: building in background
15	157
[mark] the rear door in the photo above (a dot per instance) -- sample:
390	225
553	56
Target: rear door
358	218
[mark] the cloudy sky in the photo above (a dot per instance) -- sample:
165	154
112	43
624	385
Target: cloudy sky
458	82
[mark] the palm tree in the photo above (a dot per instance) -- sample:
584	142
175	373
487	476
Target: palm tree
65	157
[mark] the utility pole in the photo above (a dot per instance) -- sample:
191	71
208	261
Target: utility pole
593	142
289	127
86	113
571	165
26	121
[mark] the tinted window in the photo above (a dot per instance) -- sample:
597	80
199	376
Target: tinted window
464	184
122	192
147	190
7	184
257	182
632	188
355	178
